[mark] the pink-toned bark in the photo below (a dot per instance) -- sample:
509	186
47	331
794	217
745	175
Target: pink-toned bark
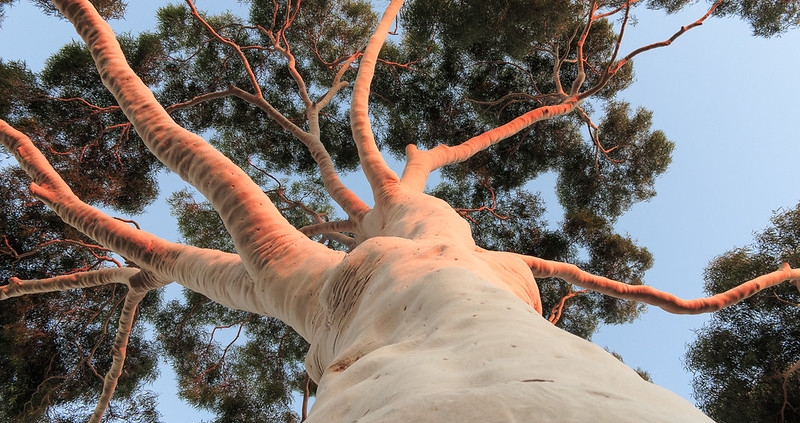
264	240
380	177
118	353
415	322
421	163
350	203
669	302
244	207
199	268
18	287
139	284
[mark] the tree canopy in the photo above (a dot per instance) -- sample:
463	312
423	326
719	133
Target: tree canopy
756	379
437	84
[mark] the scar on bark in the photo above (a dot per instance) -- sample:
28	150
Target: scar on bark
345	291
343	364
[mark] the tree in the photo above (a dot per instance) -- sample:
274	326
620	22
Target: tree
413	291
757	379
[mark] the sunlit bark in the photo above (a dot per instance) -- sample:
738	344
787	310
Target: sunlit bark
422	163
668	302
377	172
415	323
118	352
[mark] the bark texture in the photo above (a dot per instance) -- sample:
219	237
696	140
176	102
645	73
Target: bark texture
415	323
433	331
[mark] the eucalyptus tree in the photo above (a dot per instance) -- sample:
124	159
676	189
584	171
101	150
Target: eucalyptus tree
400	301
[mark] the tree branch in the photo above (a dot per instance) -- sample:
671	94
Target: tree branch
337	83
118	353
286	52
139	282
558	309
199	99
93	249
17	287
336	226
581	77
343	196
259	232
377	172
420	163
547	268
229	43
339	192
611	70
784	386
198	269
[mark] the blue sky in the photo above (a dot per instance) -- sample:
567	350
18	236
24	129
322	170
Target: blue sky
726	98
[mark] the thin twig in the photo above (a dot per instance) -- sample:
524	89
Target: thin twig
229	43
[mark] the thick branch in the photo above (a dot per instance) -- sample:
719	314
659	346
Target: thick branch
259	232
339	192
118	353
336	226
572	274
48	186
18	287
378	173
421	163
200	270
343	196
140	282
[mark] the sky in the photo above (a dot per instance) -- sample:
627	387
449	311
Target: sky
726	98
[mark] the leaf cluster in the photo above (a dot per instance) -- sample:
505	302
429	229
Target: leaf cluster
55	346
238	365
76	124
741	357
455	70
767	18
197	64
514	221
241	366
54	353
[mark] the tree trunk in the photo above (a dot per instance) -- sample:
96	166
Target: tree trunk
416	323
423	331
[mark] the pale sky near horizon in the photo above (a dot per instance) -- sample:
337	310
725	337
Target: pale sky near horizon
725	97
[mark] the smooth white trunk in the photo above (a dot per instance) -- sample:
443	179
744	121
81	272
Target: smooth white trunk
416	323
420	331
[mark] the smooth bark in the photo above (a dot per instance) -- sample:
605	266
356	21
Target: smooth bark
415	323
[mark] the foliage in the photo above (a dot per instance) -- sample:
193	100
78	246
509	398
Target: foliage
456	70
53	348
238	128
109	9
247	381
251	381
514	222
767	18
760	336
